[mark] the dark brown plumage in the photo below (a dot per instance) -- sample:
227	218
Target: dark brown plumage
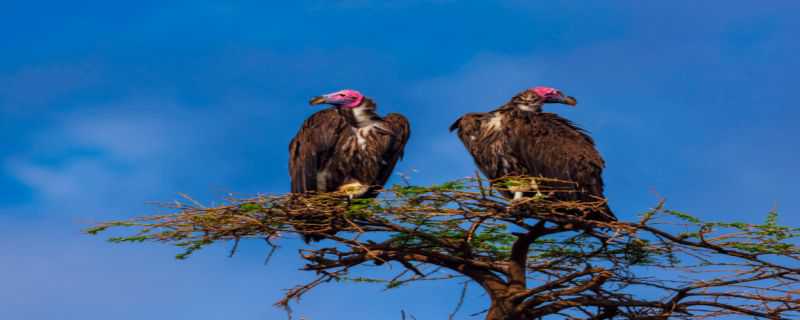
518	139
350	150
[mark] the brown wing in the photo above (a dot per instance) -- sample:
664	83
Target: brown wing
400	132
540	144
469	129
489	148
312	147
554	147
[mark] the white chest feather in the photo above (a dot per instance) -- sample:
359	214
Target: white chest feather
524	107
362	116
495	123
362	134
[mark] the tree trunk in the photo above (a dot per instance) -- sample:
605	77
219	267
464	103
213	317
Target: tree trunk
501	310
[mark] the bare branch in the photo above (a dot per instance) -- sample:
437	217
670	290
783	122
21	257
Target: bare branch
579	268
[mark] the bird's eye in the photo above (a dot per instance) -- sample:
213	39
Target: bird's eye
341	94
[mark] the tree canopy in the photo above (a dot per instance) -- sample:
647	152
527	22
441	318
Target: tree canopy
531	258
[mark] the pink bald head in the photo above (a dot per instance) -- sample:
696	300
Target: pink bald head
545	92
346	98
553	95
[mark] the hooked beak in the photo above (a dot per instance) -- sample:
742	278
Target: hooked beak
570	101
318	100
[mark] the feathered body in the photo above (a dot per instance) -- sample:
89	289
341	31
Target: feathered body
338	148
518	139
347	149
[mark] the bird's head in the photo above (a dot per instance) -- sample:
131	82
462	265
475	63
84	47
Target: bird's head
345	99
534	98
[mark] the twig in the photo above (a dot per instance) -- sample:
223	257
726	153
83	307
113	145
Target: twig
460	301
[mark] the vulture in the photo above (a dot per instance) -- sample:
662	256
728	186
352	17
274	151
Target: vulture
518	139
346	148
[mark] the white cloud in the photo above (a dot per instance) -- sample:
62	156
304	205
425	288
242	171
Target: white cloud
487	80
128	136
32	88
84	277
113	157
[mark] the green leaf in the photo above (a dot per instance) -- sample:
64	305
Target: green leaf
97	229
683	216
248	207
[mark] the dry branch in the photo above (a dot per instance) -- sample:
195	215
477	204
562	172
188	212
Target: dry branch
534	258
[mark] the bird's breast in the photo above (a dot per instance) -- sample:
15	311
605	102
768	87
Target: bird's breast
495	122
362	134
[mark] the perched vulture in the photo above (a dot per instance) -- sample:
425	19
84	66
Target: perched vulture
346	148
518	139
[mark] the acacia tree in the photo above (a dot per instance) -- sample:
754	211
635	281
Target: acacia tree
531	258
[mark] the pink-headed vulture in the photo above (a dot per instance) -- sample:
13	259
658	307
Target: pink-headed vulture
347	147
519	139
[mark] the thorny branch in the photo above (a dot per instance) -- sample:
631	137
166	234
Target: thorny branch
531	258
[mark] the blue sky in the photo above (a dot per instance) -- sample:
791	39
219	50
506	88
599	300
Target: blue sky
105	106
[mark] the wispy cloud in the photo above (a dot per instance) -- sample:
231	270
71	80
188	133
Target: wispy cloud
83	277
114	156
105	108
486	80
34	87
